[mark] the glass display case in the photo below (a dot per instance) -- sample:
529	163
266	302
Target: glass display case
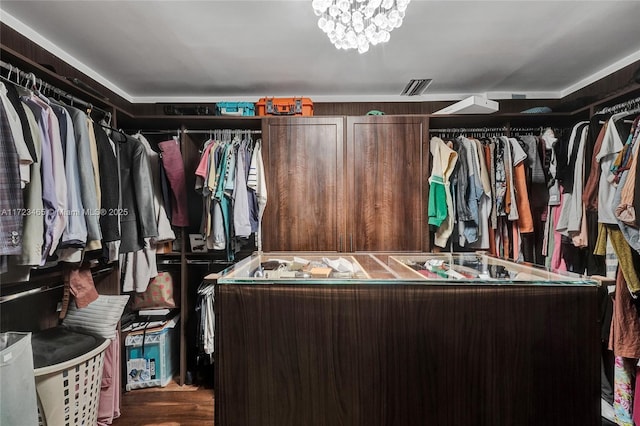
376	268
404	339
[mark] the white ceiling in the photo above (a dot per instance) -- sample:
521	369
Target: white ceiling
207	51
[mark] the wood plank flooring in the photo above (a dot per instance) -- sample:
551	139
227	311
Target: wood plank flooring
172	405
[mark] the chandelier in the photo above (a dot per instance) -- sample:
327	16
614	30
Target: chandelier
355	24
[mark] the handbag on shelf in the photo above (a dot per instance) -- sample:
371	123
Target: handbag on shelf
159	293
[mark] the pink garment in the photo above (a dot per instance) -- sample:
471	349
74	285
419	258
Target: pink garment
109	405
516	239
174	167
557	262
204	159
623	390
81	284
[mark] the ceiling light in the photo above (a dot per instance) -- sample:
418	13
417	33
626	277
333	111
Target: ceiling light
355	24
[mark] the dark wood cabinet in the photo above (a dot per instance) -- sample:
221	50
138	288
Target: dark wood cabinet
387	171
358	189
304	166
406	354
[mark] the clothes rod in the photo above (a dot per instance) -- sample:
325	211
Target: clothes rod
48	287
464	129
39	84
528	129
156	132
196	132
29	292
621	106
206	132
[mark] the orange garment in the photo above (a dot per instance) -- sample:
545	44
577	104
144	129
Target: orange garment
515	240
525	220
492	242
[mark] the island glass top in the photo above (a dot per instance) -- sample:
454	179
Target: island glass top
392	268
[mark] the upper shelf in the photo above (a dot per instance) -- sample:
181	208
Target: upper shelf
204	122
501	120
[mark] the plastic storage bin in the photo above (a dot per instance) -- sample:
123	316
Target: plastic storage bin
17	386
285	106
154	362
69	392
242	109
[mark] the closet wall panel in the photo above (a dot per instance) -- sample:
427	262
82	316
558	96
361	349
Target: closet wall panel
303	160
387	164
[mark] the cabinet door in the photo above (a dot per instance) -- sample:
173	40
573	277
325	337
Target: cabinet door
387	166
303	159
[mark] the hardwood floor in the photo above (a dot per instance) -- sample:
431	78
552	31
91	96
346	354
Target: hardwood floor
172	405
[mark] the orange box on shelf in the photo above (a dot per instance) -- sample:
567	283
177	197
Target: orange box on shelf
285	106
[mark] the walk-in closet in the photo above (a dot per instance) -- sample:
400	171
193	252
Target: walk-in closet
354	212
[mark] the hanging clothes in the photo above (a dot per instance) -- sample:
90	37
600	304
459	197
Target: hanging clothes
469	230
257	181
109	200
441	209
137	215
624	210
570	220
24	155
484	203
174	167
54	190
109	403
74	237
489	188
165	233
88	193
230	178
33	230
590	194
623	391
612	145
206	323
525	220
241	211
11	224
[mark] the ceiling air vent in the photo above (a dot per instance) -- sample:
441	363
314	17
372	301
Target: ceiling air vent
416	87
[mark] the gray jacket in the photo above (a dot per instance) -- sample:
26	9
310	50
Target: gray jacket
86	176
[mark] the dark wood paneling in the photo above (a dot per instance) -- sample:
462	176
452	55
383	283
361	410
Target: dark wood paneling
190	122
386	161
28	56
38	311
31	313
406	355
303	159
616	84
361	108
508	106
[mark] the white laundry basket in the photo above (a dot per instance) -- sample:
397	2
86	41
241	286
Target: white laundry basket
17	384
69	392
